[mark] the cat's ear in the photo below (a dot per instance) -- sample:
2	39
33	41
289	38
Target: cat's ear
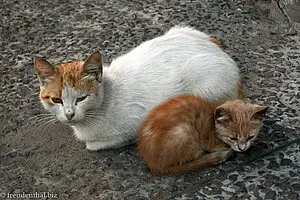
222	114
93	66
45	70
259	112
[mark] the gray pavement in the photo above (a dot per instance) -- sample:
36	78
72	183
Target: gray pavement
261	37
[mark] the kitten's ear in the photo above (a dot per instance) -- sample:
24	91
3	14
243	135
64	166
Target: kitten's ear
93	66
45	70
259	112
222	114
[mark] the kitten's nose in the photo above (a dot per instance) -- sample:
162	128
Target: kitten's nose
242	147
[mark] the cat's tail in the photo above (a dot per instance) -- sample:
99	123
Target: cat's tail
203	161
217	42
187	30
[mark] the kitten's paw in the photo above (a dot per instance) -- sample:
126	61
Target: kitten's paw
225	155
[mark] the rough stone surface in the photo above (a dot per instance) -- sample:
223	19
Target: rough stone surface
51	160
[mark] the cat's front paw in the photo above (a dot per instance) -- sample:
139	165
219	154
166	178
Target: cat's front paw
100	145
95	146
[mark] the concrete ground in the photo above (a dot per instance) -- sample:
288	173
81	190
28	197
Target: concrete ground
261	37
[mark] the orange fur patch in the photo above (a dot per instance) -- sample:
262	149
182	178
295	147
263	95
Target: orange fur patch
53	89
217	42
72	74
241	90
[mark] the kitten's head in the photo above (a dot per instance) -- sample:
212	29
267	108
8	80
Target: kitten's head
71	89
238	123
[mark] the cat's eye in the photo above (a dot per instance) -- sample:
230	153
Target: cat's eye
81	98
233	138
251	137
45	97
56	100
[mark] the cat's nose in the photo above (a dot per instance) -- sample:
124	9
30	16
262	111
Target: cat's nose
69	113
69	116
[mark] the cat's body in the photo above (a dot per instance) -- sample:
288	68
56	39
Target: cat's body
182	61
188	133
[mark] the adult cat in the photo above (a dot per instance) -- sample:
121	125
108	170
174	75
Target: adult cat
106	105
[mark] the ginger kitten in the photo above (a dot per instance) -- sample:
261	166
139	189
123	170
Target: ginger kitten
105	106
188	133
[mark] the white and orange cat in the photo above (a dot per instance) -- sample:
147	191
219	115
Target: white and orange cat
106	105
188	133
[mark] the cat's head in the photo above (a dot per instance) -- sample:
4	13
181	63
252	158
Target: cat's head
71	89
238	123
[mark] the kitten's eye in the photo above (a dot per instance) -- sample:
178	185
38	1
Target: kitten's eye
251	137
56	100
81	98
233	138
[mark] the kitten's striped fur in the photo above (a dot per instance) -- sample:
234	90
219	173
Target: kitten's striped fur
189	133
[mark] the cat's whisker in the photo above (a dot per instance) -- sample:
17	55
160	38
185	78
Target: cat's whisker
88	122
35	93
94	121
42	127
39	120
95	111
91	122
93	116
45	128
40	116
34	125
37	129
48	124
90	115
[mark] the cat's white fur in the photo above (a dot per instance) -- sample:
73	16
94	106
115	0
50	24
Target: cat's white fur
182	61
